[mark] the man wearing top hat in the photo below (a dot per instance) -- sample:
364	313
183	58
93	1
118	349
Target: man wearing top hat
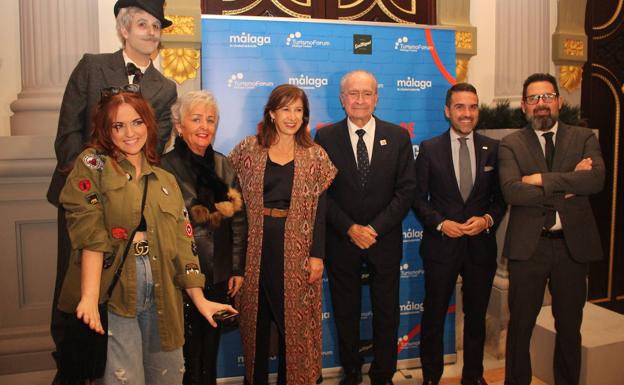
139	27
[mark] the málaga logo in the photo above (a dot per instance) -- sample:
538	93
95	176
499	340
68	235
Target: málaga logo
308	82
247	40
294	40
402	44
411	84
411	307
237	81
412	235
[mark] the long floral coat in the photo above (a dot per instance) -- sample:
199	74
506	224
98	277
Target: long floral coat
314	172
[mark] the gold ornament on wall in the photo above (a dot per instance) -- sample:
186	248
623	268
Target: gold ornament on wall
182	25
180	64
570	77
463	40
573	47
461	70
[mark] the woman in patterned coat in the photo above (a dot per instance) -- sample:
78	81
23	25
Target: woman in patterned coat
283	175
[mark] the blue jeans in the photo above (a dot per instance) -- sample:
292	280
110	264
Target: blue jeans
134	356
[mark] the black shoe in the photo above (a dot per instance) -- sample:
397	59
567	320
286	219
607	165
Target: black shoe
352	377
473	381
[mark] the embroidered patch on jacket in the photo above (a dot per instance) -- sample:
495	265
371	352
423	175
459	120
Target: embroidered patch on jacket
84	185
93	161
191	268
119	233
185	213
93	199
189	230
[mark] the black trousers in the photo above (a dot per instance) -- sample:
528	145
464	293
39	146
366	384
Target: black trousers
266	317
440	281
550	264
201	340
345	284
57	320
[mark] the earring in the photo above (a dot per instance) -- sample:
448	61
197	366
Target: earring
272	120
180	134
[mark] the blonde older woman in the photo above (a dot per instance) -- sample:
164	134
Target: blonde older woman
208	184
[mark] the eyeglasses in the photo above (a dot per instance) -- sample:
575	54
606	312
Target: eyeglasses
546	98
108	92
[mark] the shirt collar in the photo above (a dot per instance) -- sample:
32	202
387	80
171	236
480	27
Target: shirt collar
146	167
368	127
455	135
553	129
128	60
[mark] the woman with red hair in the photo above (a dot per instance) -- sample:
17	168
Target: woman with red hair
119	201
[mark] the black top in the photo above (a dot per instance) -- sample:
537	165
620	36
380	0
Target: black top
278	184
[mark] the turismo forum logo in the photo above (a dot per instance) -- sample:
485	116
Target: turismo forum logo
402	44
294	40
247	40
307	82
238	82
411	84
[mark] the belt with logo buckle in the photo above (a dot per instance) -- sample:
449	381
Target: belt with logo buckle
141	248
275	213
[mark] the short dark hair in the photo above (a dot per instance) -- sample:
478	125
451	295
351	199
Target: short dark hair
281	96
539	77
459	87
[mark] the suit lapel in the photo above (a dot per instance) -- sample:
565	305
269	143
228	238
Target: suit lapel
115	72
562	145
446	153
379	150
150	84
344	141
535	149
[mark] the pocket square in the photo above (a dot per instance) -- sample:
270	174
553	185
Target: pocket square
488	168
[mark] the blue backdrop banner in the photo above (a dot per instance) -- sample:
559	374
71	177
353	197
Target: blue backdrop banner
244	58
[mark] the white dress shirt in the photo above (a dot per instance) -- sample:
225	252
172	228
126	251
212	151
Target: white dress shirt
369	137
542	141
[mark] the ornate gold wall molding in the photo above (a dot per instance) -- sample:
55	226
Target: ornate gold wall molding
182	25
463	40
461	70
180	64
570	77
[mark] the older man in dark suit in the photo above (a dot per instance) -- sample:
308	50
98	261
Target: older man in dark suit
459	202
547	172
367	202
139	26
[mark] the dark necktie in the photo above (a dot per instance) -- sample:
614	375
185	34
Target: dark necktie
549	154
362	157
465	171
132	69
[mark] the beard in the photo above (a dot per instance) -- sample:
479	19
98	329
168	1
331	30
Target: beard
542	123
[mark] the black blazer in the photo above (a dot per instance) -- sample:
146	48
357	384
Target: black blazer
385	200
520	154
438	198
82	95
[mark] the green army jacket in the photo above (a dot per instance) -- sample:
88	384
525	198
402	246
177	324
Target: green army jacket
102	198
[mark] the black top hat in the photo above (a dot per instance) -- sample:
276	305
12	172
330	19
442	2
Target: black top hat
153	7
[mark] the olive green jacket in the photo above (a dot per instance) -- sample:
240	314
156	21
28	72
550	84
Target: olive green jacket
102	198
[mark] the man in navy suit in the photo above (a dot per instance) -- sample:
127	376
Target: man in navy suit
367	202
139	26
459	204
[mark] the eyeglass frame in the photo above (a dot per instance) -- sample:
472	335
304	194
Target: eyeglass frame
108	92
534	99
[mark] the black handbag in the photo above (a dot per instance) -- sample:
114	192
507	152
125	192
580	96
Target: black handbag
82	352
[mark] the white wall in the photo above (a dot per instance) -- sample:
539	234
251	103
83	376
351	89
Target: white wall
108	34
482	66
10	71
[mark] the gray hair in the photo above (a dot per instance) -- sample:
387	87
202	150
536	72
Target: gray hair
124	21
188	101
346	76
